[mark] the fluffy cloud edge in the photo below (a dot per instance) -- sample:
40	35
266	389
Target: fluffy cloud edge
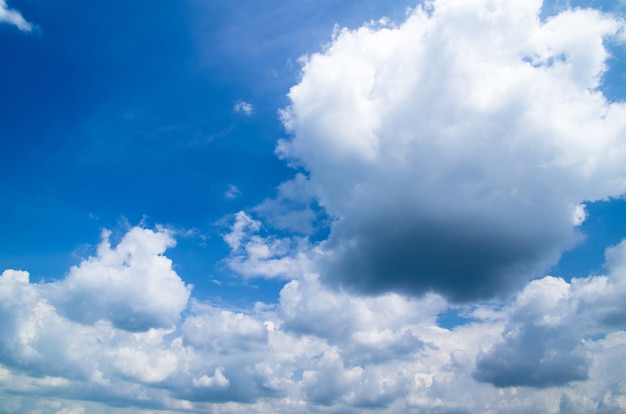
14	17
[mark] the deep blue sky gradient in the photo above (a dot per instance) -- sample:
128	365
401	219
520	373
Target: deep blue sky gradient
117	113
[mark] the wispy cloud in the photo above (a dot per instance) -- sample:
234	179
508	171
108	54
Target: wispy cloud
291	208
14	17
244	108
253	255
232	192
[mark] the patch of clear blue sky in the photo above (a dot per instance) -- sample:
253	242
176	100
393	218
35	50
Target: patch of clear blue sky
110	113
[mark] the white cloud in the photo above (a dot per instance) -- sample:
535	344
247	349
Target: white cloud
455	150
232	192
132	285
223	331
14	17
317	349
255	256
544	340
538	347
580	215
217	380
244	108
291	208
308	308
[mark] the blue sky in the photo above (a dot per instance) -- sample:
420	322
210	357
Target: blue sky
321	206
135	118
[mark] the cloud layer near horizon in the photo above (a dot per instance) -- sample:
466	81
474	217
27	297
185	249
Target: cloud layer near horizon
316	349
455	151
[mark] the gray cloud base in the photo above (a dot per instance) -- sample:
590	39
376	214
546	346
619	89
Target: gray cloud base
463	261
534	357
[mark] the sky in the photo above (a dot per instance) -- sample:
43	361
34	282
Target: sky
313	207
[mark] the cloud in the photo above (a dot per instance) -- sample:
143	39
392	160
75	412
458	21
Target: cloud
368	323
244	108
538	349
217	380
455	151
253	255
543	342
13	17
232	192
317	349
291	208
223	331
132	285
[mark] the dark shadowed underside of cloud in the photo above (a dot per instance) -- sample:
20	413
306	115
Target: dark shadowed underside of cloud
542	344
529	360
455	151
462	261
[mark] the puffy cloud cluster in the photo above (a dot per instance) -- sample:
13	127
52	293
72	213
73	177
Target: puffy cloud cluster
540	346
544	340
14	17
253	255
132	285
317	349
454	151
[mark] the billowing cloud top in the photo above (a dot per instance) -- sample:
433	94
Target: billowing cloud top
132	285
455	150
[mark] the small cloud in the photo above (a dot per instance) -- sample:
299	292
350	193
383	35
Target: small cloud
255	256
243	107
232	192
291	208
580	215
217	380
13	17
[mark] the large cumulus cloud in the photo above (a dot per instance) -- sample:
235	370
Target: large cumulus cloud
455	151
